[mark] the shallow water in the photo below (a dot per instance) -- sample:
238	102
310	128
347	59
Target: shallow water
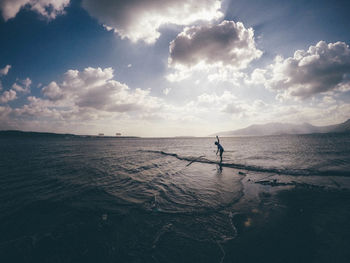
153	200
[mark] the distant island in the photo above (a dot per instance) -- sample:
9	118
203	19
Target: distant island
286	128
17	133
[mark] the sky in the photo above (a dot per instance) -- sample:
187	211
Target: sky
159	68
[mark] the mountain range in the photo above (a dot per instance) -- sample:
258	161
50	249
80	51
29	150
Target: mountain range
277	128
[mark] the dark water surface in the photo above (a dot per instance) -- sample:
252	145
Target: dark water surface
275	199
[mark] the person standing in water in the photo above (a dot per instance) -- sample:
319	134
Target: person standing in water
220	148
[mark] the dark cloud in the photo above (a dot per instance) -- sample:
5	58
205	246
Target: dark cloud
227	44
47	8
140	20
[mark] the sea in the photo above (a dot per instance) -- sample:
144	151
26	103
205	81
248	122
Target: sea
282	198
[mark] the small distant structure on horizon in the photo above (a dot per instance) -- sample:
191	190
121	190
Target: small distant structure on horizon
118	134
101	134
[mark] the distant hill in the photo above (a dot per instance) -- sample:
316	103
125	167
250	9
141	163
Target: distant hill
24	134
17	133
287	128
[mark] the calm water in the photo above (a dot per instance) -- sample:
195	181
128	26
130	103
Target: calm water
153	200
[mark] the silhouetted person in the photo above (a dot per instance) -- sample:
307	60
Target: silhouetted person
220	148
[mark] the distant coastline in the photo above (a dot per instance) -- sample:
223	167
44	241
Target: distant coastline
18	133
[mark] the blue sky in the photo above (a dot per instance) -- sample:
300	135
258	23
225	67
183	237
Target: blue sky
170	68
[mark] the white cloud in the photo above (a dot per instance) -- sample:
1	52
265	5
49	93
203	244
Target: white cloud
26	83
226	109
212	104
5	70
141	20
38	108
17	87
52	91
47	8
90	94
7	96
5	111
232	109
91	101
214	100
5	120
327	100
257	77
323	68
222	50
95	88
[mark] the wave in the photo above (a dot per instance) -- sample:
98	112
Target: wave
253	168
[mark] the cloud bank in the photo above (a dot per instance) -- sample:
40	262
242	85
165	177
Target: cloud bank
322	68
141	20
47	8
